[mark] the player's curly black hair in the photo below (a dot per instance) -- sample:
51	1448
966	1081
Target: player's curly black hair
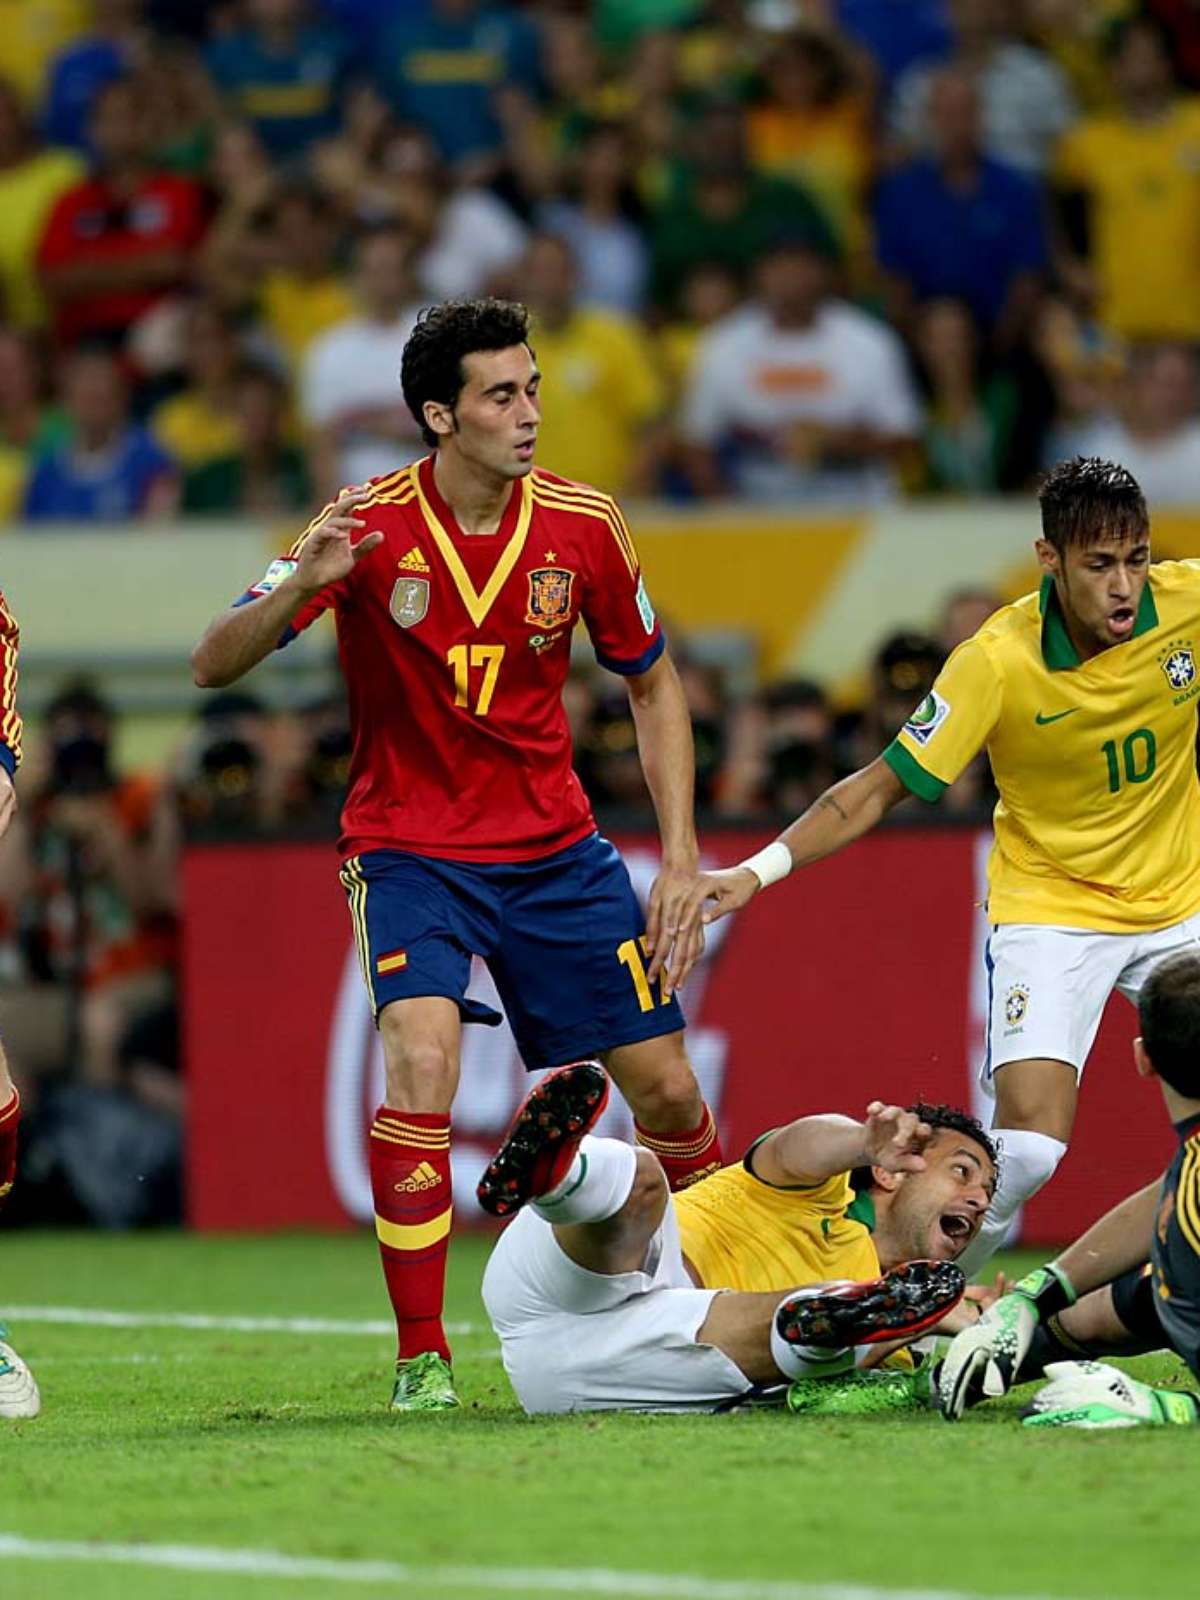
431	365
938	1115
1169	1018
1087	499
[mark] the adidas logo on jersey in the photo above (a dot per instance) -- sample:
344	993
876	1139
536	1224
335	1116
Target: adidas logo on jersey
414	561
422	1177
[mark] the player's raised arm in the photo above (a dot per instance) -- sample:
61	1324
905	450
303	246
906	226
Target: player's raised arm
813	1149
242	636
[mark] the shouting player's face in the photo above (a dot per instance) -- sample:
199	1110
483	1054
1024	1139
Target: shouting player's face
497	415
933	1215
1099	588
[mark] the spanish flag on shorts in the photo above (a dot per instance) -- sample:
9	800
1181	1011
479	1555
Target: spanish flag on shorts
390	961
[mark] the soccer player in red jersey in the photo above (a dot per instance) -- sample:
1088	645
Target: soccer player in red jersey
18	1391
456	584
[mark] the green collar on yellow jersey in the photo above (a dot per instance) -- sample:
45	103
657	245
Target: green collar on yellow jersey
1059	654
862	1209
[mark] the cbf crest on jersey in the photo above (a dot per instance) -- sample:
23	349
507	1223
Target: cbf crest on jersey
410	601
550	596
1179	664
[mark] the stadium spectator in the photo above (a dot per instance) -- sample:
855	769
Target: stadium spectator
282	70
812	125
964	612
896	37
303	290
709	292
183	107
1026	102
197	424
902	674
601	394
113	47
1074	380
442	65
1181	23
968	416
26	428
94	896
799	396
1073	34
31	180
120	240
1130	197
598	215
781	751
245	186
345	165
961	224
108	469
718	209
359	426
264	474
1156	433
35	32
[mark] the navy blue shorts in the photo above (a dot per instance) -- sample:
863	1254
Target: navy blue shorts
562	937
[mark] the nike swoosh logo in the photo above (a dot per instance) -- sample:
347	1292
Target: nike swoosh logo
1057	717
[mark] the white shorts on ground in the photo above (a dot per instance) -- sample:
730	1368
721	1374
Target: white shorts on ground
1047	987
574	1340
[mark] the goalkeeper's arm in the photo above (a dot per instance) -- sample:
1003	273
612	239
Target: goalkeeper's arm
985	1361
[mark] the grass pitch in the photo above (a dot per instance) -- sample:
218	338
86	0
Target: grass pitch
252	1439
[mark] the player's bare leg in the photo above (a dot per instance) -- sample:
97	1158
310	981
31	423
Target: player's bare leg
672	1120
410	1182
18	1390
10	1112
1035	1112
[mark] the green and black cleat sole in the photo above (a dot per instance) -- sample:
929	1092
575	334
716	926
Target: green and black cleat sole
899	1305
556	1114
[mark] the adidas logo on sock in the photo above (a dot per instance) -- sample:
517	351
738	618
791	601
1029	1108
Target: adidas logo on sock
414	561
422	1177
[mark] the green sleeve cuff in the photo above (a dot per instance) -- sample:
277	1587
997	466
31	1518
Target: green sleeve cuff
912	774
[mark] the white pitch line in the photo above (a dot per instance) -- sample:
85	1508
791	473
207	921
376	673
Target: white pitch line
515	1580
93	1317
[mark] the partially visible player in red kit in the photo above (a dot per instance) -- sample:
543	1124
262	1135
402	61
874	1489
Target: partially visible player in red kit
456	584
18	1391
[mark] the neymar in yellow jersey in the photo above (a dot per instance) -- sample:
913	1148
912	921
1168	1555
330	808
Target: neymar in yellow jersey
1084	695
832	1236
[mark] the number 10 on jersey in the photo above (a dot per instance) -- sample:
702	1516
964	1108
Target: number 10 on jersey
463	660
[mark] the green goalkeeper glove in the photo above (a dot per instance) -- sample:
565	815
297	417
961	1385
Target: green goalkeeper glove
1091	1394
982	1362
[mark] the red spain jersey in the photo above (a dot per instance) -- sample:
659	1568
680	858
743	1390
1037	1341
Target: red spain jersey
10	720
455	648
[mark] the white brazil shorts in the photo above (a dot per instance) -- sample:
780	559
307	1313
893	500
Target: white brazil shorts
1047	986
574	1340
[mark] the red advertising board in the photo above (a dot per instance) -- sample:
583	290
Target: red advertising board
861	977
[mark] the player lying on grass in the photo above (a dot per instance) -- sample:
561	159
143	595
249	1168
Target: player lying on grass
610	1293
1101	1295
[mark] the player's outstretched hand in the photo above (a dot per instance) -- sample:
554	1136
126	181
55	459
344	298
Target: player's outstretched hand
728	891
8	800
894	1138
1091	1394
674	926
330	551
983	1361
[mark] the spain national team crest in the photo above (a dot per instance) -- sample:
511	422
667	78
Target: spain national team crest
1180	668
1016	1004
550	596
410	601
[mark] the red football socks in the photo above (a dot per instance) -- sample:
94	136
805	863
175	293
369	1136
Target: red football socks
685	1157
410	1180
10	1115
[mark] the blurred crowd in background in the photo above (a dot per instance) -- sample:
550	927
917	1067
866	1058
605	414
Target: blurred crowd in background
802	251
806	253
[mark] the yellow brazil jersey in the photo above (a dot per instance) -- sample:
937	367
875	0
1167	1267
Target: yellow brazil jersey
1143	181
1098	824
741	1233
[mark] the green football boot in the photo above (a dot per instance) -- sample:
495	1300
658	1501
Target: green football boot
424	1383
863	1394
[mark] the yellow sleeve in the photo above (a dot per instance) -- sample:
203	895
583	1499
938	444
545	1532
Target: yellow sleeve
950	726
1073	163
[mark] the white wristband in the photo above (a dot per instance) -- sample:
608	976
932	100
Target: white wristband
770	864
